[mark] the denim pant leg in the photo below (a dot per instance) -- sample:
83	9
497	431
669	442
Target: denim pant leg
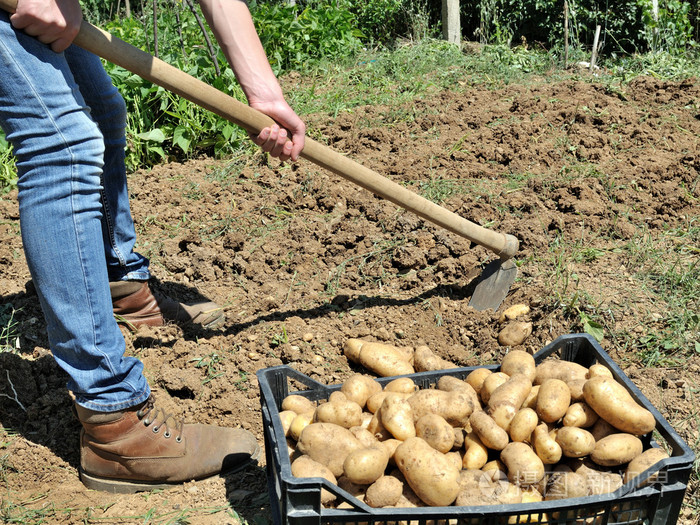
108	110
59	152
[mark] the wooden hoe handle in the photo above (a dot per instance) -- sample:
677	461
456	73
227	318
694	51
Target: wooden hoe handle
171	78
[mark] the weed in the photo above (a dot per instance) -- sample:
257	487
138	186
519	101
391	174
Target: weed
242	382
370	265
6	467
9	336
280	338
438	316
210	363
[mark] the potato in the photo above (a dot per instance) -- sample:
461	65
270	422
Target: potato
613	402
353	489
451	383
397	417
366	418
359	388
455	406
364	436
299	423
491	383
559	369
545	446
328	444
553	400
616	449
524	466
385	492
390	446
340	411
459	434
286	418
475	488
429	474
531	399
507	493
598	481
490	434
523	424
580	415
513	312
475	452
644	461
376	427
505	401
402	385
424	360
575	442
437	432
337	397
365	465
477	377
576	389
529	495
514	333
298	404
598	370
495	465
478	488
564	485
455	458
519	362
602	428
376	400
305	467
383	359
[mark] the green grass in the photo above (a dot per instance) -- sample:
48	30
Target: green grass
668	269
409	72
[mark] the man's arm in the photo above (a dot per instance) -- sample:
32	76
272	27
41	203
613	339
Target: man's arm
233	27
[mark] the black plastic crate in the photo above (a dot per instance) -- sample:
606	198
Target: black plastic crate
297	501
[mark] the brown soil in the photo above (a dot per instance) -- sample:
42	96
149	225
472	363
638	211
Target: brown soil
304	260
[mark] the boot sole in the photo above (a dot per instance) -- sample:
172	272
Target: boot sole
124	486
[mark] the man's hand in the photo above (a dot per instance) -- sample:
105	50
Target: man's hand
275	139
53	22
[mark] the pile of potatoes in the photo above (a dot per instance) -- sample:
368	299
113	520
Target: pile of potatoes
525	433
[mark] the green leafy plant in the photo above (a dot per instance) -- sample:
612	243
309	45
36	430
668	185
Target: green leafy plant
382	21
210	364
8	173
294	36
668	27
280	338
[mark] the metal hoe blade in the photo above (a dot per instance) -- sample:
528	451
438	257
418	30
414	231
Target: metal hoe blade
495	283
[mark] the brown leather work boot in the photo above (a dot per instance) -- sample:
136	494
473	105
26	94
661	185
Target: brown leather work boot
134	304
142	449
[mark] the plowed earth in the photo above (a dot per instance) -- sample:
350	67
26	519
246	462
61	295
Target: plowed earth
303	260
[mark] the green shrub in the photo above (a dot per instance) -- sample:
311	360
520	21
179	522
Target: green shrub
670	29
295	35
627	26
382	21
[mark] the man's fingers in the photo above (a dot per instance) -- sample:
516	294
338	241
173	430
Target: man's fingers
275	140
60	45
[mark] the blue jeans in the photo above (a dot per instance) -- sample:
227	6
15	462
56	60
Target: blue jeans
66	122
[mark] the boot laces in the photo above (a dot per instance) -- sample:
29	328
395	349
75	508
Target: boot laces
150	414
